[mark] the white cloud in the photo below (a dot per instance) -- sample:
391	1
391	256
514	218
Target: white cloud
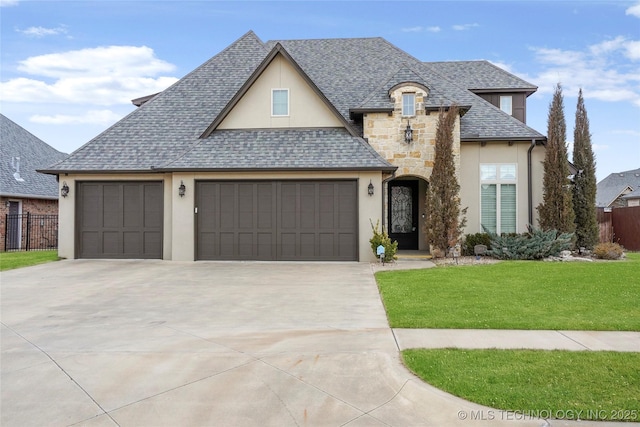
42	31
6	3
420	29
605	70
100	117
99	76
464	27
634	10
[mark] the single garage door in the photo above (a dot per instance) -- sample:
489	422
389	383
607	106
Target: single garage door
277	220
119	219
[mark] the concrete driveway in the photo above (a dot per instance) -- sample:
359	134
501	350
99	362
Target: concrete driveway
153	343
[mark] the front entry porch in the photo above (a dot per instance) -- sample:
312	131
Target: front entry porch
405	213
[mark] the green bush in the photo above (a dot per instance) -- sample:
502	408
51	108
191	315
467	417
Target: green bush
608	251
535	244
382	238
471	240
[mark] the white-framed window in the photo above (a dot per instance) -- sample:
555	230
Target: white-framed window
279	102
506	104
498	207
408	104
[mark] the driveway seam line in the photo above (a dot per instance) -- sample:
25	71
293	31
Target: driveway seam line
575	341
183	385
65	372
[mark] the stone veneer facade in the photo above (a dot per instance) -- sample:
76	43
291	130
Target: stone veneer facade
385	134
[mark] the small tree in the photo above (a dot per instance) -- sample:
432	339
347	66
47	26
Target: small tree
444	218
584	189
556	210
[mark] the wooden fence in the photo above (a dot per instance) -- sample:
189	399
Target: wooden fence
620	225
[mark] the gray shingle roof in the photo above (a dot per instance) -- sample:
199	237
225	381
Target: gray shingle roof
482	75
610	188
34	154
327	148
164	132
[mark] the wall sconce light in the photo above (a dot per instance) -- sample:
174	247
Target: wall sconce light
408	133
370	188
182	189
64	191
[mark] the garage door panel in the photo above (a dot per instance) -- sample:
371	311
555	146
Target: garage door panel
111	207
111	242
152	244
153	197
277	220
119	219
266	246
327	244
131	241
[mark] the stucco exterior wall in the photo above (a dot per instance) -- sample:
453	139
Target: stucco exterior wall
306	109
474	154
179	217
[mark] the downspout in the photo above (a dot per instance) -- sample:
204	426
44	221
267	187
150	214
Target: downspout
530	182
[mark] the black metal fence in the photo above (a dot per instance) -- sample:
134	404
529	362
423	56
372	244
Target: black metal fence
29	232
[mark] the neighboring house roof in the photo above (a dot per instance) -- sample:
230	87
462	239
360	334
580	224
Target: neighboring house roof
616	185
483	76
22	153
168	128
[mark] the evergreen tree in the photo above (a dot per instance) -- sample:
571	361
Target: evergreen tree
444	218
556	209
584	189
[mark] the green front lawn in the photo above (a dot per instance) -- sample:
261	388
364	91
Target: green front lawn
516	295
10	260
548	384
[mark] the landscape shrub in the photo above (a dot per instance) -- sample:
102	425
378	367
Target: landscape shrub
608	251
380	237
535	244
471	240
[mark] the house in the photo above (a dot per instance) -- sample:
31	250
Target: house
22	189
619	189
289	150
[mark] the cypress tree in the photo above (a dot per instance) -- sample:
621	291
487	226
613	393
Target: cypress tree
556	209
444	218
584	189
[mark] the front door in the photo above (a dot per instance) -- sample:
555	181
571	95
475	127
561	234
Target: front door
403	213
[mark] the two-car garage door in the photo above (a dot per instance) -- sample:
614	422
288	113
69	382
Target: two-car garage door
235	220
276	220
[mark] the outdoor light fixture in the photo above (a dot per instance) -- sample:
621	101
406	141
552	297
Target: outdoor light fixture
182	189
408	133
370	188
64	191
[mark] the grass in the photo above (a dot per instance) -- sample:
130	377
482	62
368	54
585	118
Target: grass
11	260
547	384
516	295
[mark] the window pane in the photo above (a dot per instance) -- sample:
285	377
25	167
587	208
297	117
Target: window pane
487	172
508	208
408	104
488	207
508	172
505	104
280	102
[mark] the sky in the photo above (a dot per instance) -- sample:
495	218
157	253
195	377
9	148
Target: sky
69	69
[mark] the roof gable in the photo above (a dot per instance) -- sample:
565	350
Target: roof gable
278	70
